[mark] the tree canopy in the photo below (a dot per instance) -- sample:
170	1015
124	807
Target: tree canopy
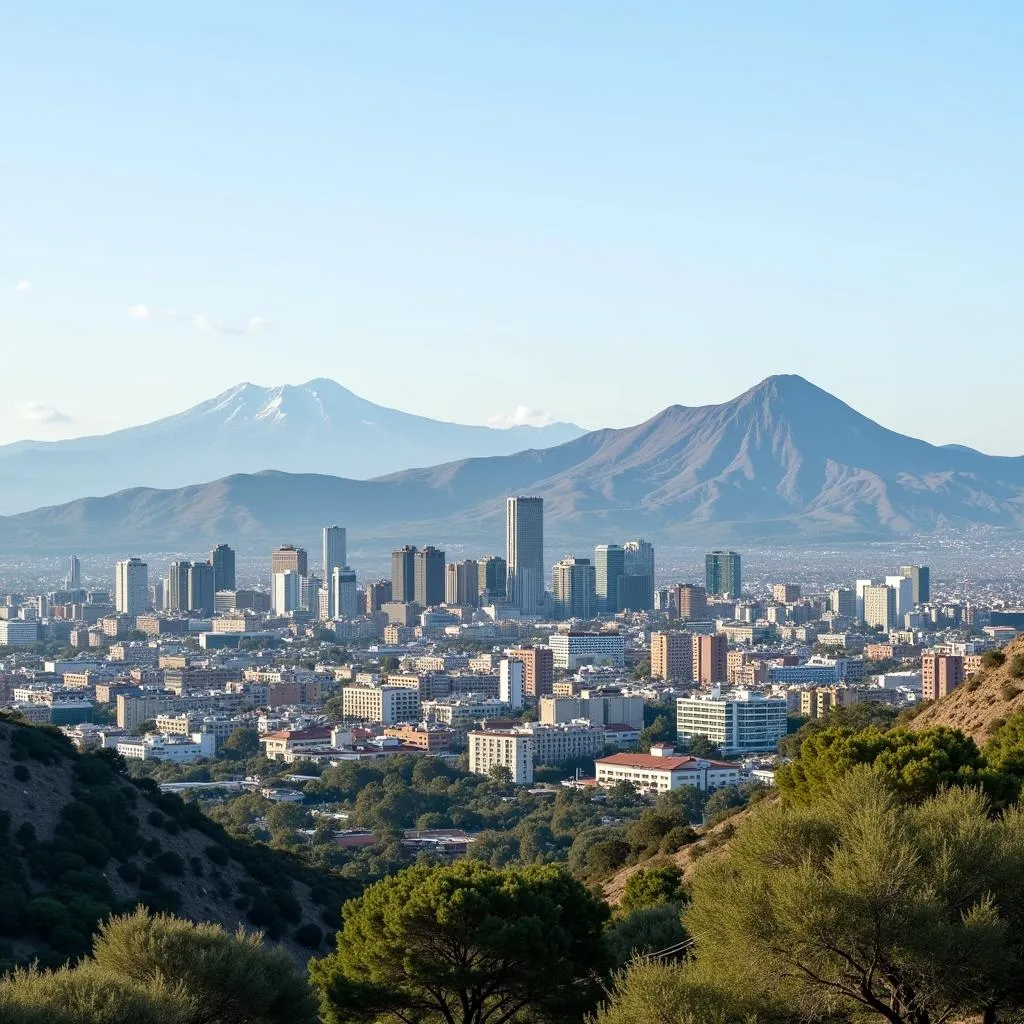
861	901
467	945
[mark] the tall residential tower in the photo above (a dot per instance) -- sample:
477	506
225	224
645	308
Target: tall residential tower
524	534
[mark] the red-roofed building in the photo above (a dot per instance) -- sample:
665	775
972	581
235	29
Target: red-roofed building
279	745
663	770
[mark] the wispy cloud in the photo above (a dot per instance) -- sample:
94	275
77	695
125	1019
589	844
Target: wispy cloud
200	321
523	416
23	286
41	414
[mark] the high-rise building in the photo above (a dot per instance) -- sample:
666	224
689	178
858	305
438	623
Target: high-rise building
672	657
723	574
461	583
342	593
289	558
156	595
710	659
639	561
201	588
287	595
859	588
492	579
428	577
843	601
403	574
635	594
131	587
335	554
223	560
920	579
609	567
786	593
940	675
904	588
511	682
691	602
73	580
177	586
524	534
573	582
377	595
538	669
880	607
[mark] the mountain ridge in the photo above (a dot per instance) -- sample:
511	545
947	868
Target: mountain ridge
316	426
783	461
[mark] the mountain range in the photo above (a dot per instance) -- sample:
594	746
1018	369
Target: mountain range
783	462
316	427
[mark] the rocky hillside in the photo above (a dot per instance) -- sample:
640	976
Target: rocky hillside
984	702
79	840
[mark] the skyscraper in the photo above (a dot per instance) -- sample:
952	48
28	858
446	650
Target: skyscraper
201	588
403	574
377	595
639	562
289	558
335	550
723	574
342	592
859	588
904	587
428	579
73	580
131	586
524	535
609	567
573	582
880	607
920	579
287	594
223	560
461	583
177	586
492	578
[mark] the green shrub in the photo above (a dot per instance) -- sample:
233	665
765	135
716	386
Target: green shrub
129	871
1009	690
196	863
170	862
993	658
21	773
217	854
309	935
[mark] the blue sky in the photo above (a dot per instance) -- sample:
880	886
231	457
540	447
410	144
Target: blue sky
590	209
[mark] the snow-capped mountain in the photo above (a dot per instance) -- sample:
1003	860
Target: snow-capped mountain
318	426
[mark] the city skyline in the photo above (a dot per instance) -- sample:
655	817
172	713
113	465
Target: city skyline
773	183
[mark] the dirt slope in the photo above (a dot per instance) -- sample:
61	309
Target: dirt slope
981	704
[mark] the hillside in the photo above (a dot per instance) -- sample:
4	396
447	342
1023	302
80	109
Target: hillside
783	462
983	703
712	842
79	841
316	427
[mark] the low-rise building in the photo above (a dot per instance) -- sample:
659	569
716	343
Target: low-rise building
508	748
574	649
285	744
662	770
387	705
158	747
433	739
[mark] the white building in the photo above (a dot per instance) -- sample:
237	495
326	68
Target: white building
599	708
341	589
287	596
663	770
736	722
131	587
161	747
575	649
387	705
511	675
511	749
904	587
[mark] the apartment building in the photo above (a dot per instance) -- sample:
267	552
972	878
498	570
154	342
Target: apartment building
737	722
510	749
387	705
662	770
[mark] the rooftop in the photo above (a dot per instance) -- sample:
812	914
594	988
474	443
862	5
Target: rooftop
660	763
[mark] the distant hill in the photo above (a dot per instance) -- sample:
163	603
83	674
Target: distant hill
982	704
783	462
78	841
316	427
